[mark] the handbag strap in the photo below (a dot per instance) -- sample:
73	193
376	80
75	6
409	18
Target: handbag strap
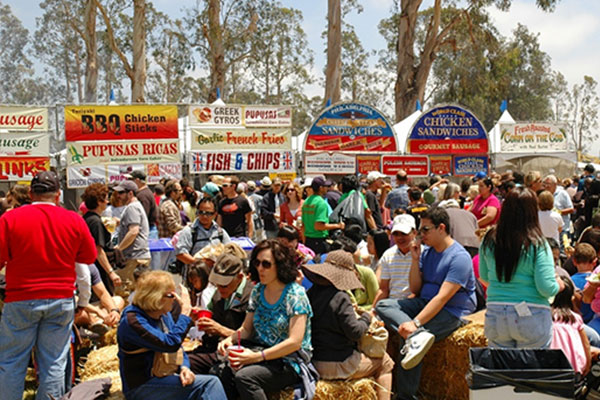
138	351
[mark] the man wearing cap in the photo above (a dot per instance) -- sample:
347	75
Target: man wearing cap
229	305
202	232
270	209
265	186
315	218
133	233
398	197
441	277
40	244
333	195
375	182
396	261
146	198
235	214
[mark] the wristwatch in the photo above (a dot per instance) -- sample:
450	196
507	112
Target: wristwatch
417	323
115	310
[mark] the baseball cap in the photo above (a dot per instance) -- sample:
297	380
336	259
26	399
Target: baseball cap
210	188
251	185
137	174
226	268
374	175
126	186
45	182
265	182
277	181
479	175
404	223
328	182
307	182
317	183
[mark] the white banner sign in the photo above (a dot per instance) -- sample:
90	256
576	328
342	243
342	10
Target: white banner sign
119	173
122	152
329	163
533	137
15	118
242	139
211	115
83	176
155	172
25	144
268	115
238	162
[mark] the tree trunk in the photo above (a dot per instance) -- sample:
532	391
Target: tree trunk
214	34
91	53
333	72
139	51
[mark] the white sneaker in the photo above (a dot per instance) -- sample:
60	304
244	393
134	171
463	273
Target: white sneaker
415	348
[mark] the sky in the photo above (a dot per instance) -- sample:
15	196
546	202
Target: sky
569	35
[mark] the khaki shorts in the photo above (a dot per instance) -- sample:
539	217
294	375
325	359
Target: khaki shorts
126	275
356	366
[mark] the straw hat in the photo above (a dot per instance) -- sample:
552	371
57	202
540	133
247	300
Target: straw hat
338	269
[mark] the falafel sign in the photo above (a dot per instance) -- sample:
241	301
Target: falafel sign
242	139
447	129
533	136
351	127
143	122
122	152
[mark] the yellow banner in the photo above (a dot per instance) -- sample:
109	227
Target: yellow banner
266	139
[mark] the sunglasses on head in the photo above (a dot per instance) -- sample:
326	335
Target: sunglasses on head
266	264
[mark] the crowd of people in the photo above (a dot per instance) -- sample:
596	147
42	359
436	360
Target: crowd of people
331	262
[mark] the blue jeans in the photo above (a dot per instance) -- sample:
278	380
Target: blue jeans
45	324
395	312
205	387
505	328
592	333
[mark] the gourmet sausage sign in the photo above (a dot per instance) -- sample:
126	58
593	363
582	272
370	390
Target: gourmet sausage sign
31	119
259	161
351	127
83	123
122	152
447	129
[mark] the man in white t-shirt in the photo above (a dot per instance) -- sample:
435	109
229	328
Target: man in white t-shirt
395	262
562	201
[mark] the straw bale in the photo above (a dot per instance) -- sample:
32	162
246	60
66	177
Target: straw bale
360	389
100	361
446	364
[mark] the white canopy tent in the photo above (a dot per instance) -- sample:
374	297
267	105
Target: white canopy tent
402	130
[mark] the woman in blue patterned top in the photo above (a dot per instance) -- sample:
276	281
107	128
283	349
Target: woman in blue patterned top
278	320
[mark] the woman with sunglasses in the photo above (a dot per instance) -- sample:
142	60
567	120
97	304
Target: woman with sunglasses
278	320
146	330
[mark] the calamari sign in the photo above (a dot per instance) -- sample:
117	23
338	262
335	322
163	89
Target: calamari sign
351	127
447	129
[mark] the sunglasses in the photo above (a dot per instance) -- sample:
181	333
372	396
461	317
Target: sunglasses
266	264
425	229
170	295
205	213
291	190
225	184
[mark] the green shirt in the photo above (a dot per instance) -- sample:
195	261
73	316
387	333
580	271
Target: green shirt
362	196
314	209
364	298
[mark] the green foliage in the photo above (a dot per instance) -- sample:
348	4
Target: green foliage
583	113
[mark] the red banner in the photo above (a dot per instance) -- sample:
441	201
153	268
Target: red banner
367	164
426	146
22	168
413	165
440	165
140	122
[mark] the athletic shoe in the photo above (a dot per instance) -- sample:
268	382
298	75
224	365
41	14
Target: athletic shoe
415	348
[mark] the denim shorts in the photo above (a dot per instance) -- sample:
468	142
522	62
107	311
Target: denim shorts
505	328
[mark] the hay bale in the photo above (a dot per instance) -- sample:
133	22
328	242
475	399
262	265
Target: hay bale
446	364
359	389
104	363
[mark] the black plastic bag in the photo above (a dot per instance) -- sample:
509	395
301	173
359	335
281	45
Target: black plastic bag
350	211
538	370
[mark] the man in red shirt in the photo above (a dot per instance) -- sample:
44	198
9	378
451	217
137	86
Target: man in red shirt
40	244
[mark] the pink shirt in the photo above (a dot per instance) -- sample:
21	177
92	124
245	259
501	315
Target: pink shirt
479	204
566	337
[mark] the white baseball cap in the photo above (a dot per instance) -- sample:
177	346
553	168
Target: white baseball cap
374	175
404	223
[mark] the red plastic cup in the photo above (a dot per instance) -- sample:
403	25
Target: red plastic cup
235	349
204	314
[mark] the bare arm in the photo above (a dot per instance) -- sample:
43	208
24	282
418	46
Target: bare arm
490	214
129	238
383	292
322	226
250	224
415	280
369	218
103	260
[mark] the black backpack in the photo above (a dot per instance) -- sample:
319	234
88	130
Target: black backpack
178	267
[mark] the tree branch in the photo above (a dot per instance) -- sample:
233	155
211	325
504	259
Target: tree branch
70	19
112	41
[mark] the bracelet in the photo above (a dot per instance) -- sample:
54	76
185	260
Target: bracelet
262	353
